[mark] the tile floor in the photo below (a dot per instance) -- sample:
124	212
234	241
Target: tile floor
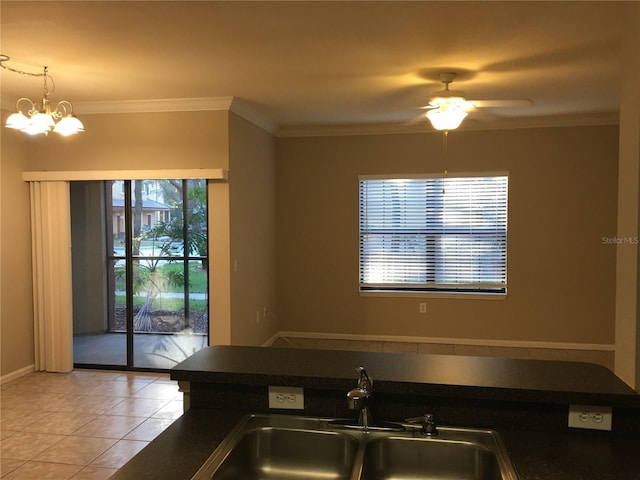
83	425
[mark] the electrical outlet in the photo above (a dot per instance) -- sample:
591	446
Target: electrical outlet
423	307
589	416
291	398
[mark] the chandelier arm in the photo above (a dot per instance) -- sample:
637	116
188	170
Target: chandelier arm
32	106
63	108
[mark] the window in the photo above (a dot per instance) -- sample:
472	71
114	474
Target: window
433	234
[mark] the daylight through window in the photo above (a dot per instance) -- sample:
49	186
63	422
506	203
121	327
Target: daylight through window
434	234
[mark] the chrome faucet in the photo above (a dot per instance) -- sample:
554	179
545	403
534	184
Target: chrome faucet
427	424
358	398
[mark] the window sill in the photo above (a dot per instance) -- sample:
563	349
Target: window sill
450	295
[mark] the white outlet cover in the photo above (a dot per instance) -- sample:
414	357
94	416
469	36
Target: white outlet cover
289	398
590	417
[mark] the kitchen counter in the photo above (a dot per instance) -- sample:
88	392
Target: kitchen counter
473	377
571	455
525	400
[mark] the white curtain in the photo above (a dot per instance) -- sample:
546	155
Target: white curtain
51	265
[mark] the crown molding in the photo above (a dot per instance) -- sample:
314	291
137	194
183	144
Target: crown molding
154	105
578	120
197	104
244	110
141	106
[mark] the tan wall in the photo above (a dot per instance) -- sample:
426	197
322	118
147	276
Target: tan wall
562	201
252	212
16	312
627	356
138	141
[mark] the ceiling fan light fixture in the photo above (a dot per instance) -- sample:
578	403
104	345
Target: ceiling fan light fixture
446	119
448	112
448	108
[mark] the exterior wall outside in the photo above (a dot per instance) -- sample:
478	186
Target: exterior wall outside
562	202
252	208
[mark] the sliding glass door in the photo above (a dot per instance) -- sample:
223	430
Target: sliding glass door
140	272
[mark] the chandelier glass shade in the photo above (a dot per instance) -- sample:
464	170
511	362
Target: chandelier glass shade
35	119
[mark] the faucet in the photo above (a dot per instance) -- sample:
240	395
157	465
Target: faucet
427	424
358	398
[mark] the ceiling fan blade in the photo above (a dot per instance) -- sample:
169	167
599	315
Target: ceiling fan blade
417	119
482	115
524	102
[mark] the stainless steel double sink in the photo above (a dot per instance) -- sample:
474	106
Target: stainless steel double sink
283	447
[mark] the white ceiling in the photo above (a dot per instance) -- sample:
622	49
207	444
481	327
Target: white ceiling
329	63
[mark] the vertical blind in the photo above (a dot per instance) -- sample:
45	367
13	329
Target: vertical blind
51	267
434	234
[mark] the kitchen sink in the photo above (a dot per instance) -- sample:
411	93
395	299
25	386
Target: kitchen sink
277	453
404	458
268	447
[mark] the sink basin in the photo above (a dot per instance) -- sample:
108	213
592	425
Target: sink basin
265	447
277	453
408	458
283	447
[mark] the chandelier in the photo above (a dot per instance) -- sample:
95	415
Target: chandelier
34	119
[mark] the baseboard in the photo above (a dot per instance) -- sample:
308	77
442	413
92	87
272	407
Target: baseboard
273	338
16	374
450	341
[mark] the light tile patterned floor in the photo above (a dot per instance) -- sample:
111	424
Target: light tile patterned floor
83	425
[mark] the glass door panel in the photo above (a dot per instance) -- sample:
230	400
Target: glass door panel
156	288
99	311
162	227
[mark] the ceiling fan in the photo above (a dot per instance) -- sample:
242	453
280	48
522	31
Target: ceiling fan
448	108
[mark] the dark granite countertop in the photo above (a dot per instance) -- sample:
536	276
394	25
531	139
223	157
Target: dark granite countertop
179	451
448	375
524	400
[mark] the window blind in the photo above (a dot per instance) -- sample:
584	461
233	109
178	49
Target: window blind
434	234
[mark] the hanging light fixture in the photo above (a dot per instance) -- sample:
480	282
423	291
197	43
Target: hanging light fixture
448	112
448	108
34	119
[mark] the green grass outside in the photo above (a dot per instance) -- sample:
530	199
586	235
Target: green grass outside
161	303
197	278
